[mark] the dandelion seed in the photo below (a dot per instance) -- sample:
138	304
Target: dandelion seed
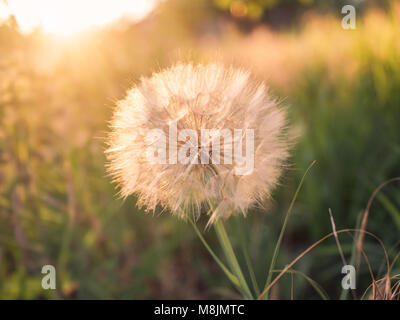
197	97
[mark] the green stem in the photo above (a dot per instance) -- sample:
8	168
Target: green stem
229	274
231	257
246	255
344	292
278	244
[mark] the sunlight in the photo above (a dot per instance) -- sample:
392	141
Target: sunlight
70	16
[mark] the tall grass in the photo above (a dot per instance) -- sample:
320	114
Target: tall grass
56	204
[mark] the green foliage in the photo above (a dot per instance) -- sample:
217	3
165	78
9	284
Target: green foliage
57	205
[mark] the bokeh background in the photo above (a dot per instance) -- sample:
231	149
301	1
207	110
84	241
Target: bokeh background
57	93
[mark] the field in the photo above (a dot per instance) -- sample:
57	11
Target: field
58	206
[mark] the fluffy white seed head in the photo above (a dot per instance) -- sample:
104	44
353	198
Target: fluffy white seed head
197	97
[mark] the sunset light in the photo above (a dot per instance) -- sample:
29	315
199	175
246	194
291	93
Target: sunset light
70	16
199	159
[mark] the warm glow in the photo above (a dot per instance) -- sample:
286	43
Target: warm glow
71	16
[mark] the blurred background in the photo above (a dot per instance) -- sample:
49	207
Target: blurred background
63	65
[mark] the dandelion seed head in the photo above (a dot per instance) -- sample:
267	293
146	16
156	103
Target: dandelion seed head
197	97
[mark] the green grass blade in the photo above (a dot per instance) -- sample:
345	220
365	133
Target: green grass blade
344	293
231	257
312	282
246	255
390	207
229	274
278	244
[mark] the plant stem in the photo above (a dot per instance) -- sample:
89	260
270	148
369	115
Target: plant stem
231	257
242	241
229	274
343	294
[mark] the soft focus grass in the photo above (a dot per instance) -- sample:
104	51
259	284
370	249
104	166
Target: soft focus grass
58	207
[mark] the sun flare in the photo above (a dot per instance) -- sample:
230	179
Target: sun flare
71	16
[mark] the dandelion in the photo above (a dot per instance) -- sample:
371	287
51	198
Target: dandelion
198	98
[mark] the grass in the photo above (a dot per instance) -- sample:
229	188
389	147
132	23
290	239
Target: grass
58	207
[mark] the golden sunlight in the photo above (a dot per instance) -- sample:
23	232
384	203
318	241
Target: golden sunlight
70	16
